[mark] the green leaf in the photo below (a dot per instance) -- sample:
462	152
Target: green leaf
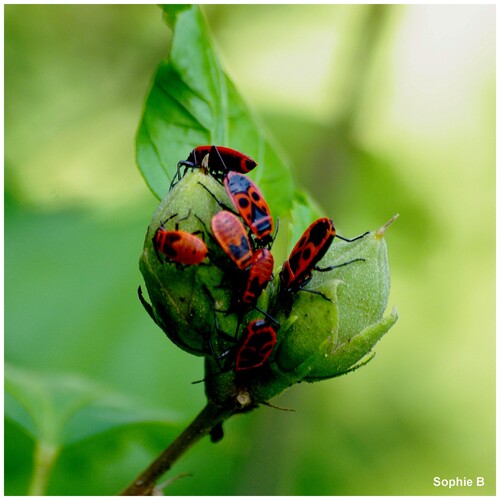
64	409
171	12
192	102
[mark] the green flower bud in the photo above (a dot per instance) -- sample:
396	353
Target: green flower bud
312	320
319	336
184	298
327	339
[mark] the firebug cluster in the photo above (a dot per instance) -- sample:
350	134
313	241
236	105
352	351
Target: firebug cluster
244	231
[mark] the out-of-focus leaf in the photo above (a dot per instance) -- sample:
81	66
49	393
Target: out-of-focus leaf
193	102
64	409
171	11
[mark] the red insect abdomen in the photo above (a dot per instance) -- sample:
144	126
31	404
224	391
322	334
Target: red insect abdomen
258	345
180	246
259	275
232	237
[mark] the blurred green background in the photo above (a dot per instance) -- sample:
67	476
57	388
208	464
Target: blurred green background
379	109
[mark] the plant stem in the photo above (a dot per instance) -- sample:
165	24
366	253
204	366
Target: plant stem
210	416
44	459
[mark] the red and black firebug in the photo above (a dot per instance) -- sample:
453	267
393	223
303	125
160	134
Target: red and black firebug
251	205
232	237
218	160
259	275
258	344
308	251
179	246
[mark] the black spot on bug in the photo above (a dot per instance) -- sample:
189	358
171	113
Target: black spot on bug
294	261
302	241
319	233
243	202
255	196
170	252
174	237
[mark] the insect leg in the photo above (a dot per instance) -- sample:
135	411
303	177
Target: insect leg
222	205
268	316
353	239
330	268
